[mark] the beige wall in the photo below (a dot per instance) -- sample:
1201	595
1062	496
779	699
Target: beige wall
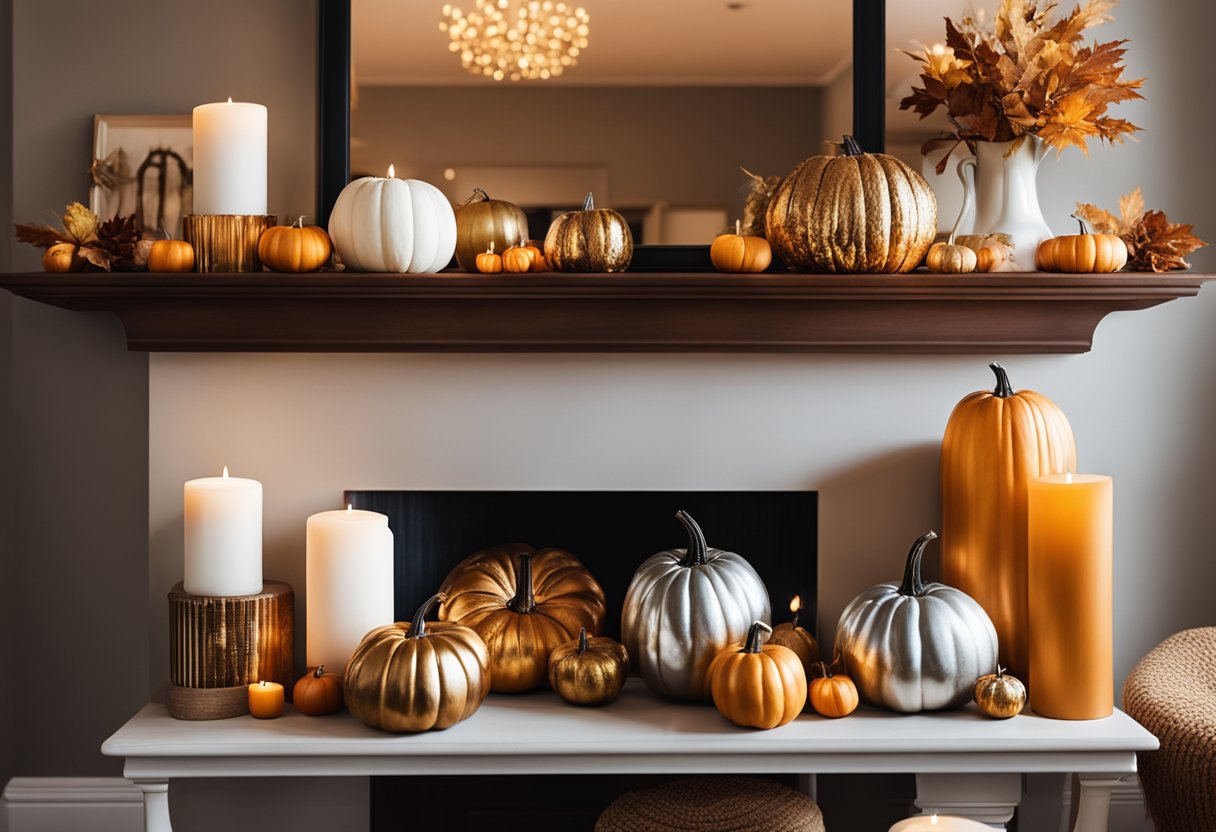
682	145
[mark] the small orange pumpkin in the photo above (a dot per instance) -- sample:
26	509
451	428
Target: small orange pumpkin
488	262
518	259
833	695
295	247
60	258
1083	253
317	692
539	263
991	257
758	686
171	256
739	253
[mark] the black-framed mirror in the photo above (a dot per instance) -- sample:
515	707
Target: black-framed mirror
334	85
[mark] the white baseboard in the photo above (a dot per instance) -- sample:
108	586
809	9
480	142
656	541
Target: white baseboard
1128	812
54	804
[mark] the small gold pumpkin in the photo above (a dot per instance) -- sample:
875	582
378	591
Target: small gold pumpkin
948	258
590	240
588	671
1000	695
797	639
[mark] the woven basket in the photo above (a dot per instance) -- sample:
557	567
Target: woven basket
1172	693
713	804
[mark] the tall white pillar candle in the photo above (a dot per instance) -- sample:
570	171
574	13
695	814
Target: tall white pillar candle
223	536
349	575
230	158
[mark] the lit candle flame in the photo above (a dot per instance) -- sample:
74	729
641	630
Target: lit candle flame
263	684
225	472
392	172
796	604
933	819
230	99
349	508
1068	477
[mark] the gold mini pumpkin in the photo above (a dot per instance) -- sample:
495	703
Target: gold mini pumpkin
523	603
415	676
857	212
588	671
949	258
1000	695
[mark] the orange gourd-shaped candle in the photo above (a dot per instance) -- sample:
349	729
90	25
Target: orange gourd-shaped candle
995	444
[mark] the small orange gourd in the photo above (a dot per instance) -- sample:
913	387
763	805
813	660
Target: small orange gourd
488	262
317	692
758	686
832	695
739	253
1083	253
171	256
518	259
539	264
295	247
991	256
60	258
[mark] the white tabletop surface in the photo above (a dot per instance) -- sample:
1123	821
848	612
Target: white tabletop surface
538	733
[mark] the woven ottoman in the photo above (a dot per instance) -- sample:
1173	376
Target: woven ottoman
1172	693
713	804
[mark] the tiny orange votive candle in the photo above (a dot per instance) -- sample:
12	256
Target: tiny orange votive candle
1070	583
266	700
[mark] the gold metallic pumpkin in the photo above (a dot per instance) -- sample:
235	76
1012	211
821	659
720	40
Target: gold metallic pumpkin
588	671
1000	695
523	603
949	258
415	676
857	212
590	240
797	639
996	442
758	686
482	221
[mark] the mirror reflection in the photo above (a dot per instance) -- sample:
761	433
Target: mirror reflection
658	114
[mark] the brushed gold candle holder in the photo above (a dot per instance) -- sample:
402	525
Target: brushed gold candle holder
226	242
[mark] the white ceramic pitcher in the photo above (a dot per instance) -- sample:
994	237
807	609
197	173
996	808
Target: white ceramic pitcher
1000	191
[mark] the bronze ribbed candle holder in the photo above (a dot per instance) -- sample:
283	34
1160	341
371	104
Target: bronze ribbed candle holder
218	645
226	242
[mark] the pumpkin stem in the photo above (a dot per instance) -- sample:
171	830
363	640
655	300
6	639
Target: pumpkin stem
418	624
1003	388
753	637
588	203
912	584
1080	222
582	640
851	147
478	195
320	671
698	549
825	669
738	228
524	601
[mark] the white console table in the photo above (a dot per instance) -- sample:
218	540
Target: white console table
966	763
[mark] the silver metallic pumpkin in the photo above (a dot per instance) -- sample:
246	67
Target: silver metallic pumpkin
683	607
915	646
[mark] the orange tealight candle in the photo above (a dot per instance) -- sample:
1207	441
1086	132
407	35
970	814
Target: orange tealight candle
1070	567
266	700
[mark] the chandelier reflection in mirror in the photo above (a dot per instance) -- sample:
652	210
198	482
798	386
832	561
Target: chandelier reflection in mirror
517	39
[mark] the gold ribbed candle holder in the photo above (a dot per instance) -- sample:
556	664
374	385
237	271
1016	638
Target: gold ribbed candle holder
226	242
222	641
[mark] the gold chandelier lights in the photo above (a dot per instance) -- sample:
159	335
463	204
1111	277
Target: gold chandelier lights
531	40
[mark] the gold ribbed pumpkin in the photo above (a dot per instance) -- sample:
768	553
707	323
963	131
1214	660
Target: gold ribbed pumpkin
482	222
857	212
996	442
590	240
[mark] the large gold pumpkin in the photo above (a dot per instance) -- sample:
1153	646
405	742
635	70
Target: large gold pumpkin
857	212
417	676
523	603
590	240
482	222
995	444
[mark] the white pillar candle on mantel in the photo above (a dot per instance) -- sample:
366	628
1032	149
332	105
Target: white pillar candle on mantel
223	522
349	578
230	158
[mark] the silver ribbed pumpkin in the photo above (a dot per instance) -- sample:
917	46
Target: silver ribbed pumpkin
684	606
915	646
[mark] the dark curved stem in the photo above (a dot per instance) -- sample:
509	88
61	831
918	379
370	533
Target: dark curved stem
698	550
418	624
825	669
588	202
1080	222
524	601
1003	388
320	671
480	195
851	147
753	637
912	584
794	620
582	640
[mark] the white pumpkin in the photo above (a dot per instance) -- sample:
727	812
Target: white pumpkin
393	225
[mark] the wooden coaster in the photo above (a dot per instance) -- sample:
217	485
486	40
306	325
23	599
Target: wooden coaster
226	641
208	703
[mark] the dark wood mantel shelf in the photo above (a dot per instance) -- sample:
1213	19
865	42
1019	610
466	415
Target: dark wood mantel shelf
634	312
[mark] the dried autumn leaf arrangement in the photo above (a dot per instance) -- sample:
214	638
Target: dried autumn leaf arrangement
110	245
1153	242
1026	76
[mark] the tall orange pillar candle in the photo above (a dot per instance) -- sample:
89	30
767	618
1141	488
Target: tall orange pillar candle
1070	583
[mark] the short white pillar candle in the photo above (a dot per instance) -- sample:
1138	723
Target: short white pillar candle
223	536
230	158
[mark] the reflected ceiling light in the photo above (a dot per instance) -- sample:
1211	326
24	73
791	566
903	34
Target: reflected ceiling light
517	39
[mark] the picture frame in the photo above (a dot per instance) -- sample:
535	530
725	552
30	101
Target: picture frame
143	164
